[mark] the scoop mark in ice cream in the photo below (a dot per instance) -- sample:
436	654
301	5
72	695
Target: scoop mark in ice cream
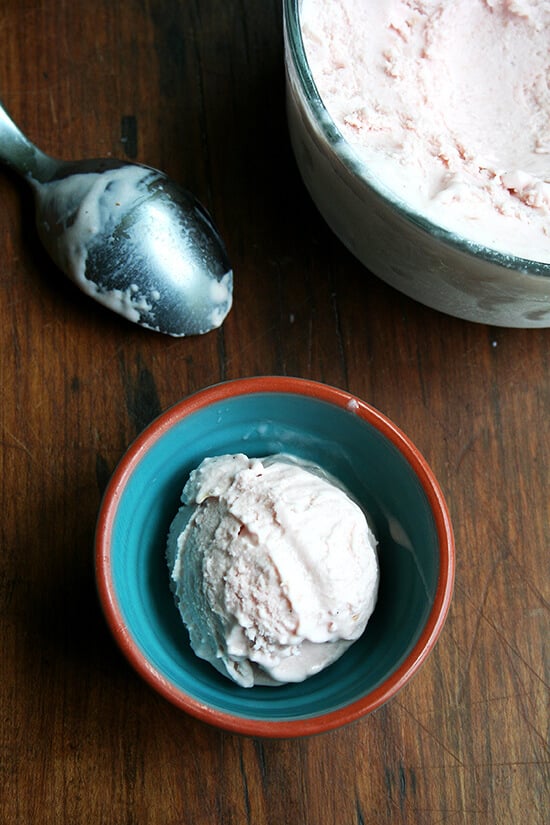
273	566
447	103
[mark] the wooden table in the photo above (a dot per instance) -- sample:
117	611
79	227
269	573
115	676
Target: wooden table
196	87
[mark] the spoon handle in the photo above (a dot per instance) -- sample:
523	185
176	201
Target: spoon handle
17	152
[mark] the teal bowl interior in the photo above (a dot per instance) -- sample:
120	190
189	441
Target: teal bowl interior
144	496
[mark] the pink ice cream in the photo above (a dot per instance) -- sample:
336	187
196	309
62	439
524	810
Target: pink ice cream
448	103
273	566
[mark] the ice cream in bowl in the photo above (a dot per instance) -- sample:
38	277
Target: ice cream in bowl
422	132
274	556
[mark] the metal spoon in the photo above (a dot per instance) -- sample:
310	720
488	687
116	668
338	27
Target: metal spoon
128	236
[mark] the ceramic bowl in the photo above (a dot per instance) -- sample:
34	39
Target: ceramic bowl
424	261
351	440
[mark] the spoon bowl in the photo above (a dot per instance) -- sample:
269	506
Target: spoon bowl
128	236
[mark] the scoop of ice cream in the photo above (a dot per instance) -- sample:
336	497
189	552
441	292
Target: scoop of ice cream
273	566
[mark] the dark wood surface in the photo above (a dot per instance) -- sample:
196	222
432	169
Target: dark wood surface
196	87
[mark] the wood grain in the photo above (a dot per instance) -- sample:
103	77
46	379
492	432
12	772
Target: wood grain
195	87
